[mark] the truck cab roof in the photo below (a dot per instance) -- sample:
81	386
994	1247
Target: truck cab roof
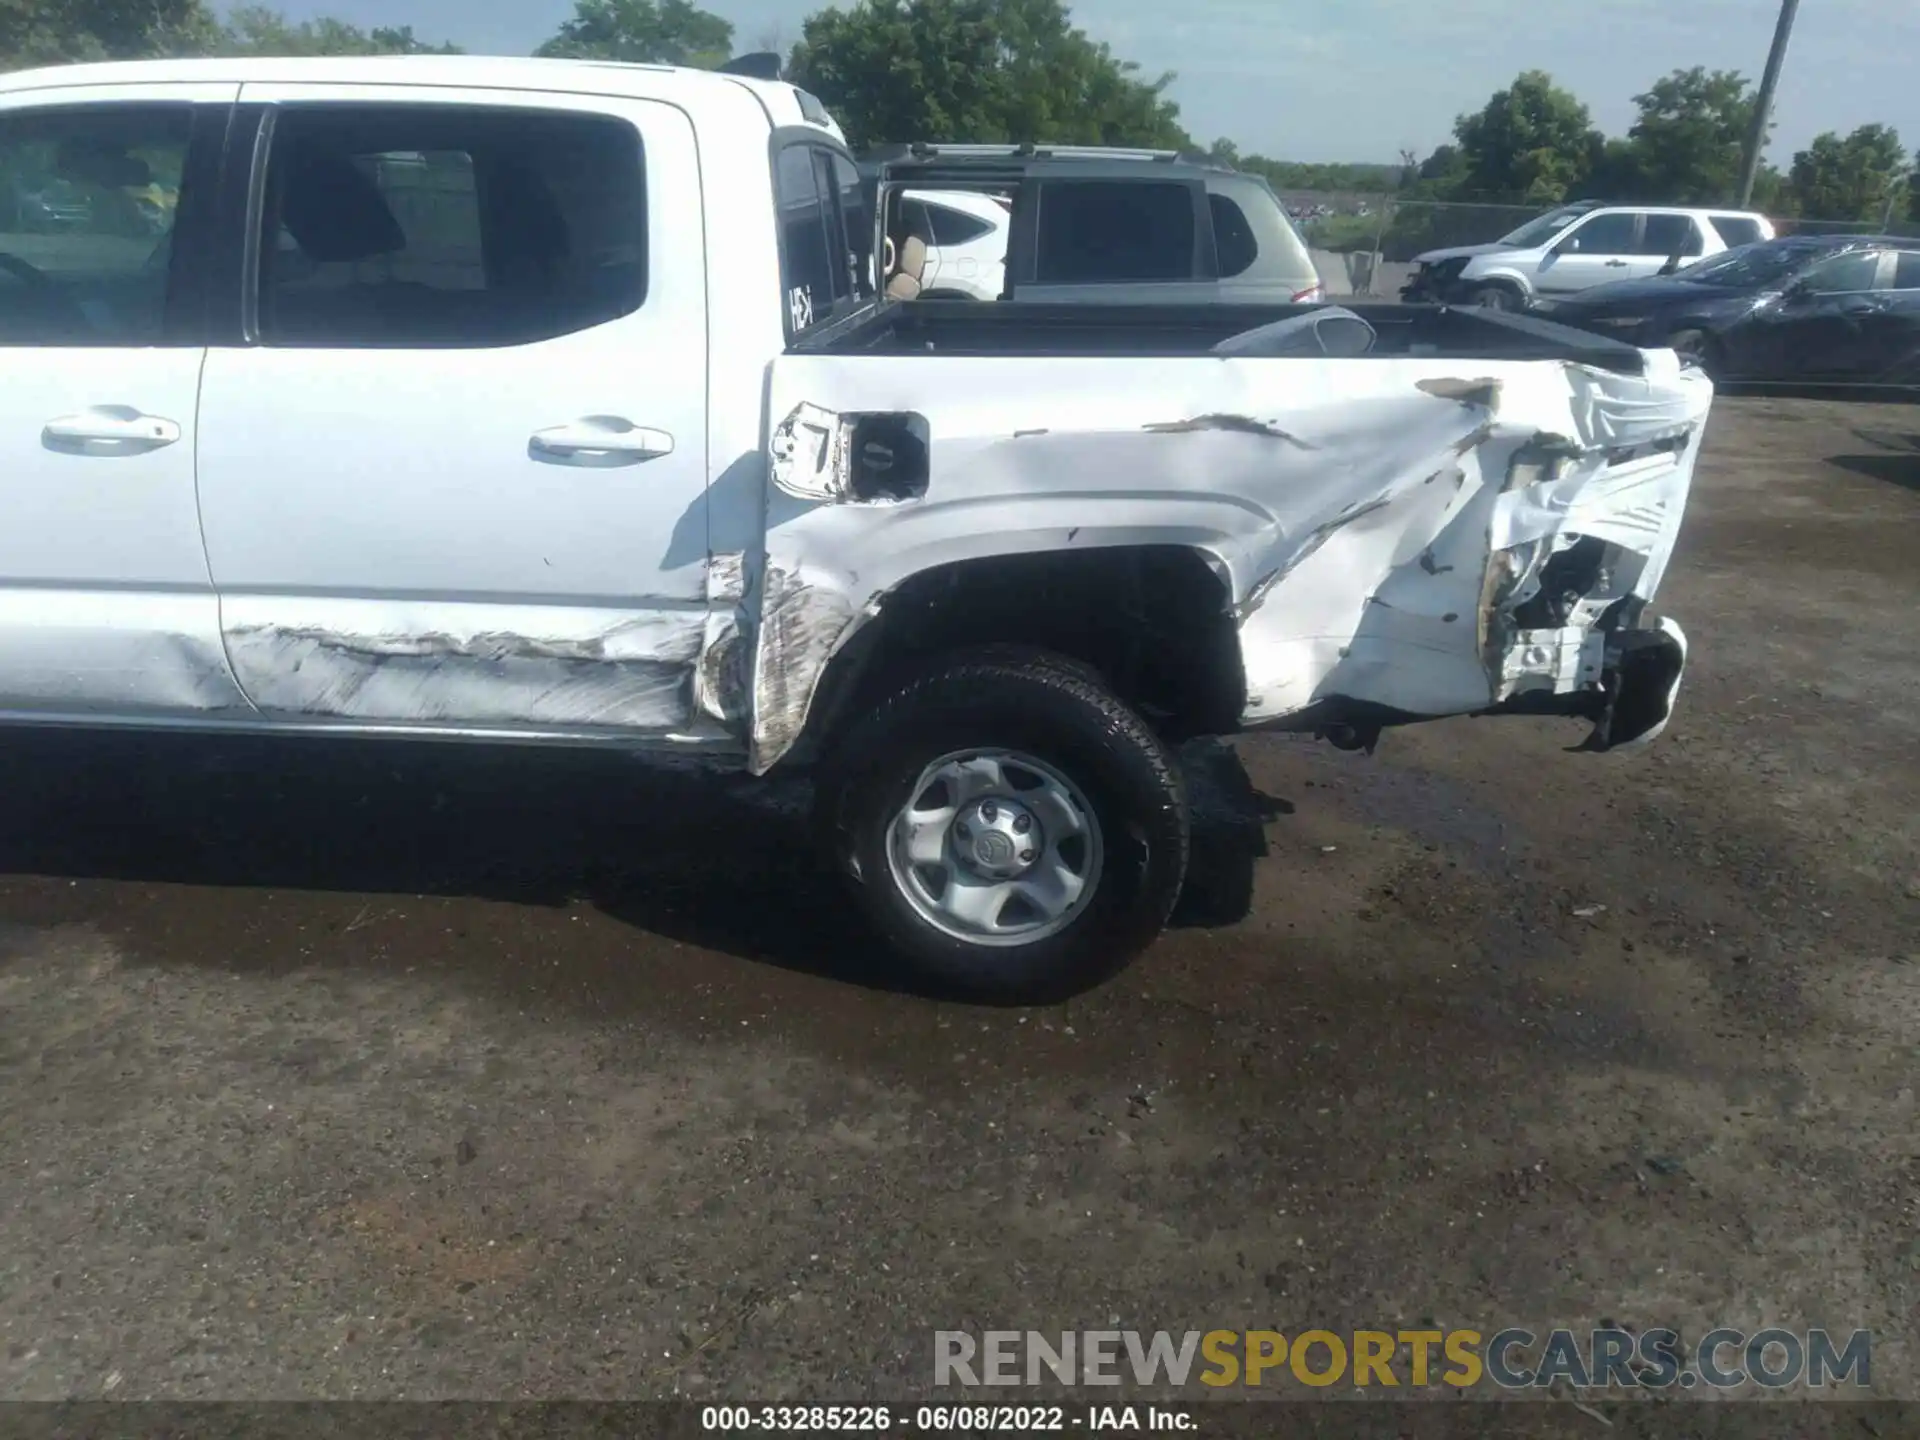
784	104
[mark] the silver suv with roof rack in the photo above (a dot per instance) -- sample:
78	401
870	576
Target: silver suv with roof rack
1576	247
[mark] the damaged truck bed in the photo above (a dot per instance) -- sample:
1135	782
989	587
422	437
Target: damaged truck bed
1468	518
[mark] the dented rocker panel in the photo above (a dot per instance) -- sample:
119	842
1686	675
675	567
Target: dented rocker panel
1408	534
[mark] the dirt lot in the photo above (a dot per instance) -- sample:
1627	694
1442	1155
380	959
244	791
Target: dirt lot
425	1073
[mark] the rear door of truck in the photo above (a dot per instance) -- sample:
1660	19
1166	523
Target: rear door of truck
453	472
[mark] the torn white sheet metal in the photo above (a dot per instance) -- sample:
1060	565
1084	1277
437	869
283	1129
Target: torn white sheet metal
1378	520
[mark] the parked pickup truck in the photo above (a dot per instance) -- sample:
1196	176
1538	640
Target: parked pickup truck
550	402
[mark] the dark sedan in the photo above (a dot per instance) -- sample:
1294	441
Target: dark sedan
1822	309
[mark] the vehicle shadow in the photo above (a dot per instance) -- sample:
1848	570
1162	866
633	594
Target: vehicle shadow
1898	464
1902	470
678	849
1890	394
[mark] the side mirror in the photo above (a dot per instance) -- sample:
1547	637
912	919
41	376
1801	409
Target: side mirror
1673	264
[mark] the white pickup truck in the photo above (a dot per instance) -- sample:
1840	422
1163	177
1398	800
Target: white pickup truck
550	401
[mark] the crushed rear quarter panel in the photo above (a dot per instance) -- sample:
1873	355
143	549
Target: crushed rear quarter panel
1377	520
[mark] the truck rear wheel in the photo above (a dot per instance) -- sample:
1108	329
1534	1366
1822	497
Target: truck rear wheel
1017	834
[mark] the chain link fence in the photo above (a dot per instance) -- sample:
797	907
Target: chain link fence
1885	225
1363	245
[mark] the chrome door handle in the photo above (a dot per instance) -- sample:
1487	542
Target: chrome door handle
109	430
1616	264
599	440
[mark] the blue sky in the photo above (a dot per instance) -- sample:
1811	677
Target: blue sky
1360	79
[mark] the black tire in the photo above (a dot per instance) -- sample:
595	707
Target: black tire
1496	297
1059	712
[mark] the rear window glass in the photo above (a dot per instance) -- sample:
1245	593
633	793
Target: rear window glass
856	224
945	226
805	261
1115	231
1735	230
1232	237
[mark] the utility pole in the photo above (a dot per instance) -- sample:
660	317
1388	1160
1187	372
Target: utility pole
1763	101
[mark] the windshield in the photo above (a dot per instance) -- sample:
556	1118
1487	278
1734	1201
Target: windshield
1542	228
1750	266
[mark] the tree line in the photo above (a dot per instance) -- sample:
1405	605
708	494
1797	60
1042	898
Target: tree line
1019	70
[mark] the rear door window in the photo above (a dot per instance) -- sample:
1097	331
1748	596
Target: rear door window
856	223
1906	270
1233	237
1668	235
1847	274
395	225
1736	230
805	261
826	237
1115	231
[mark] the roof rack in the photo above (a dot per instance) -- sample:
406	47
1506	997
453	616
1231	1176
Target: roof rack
927	150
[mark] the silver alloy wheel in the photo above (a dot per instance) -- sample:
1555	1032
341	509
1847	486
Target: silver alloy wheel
995	848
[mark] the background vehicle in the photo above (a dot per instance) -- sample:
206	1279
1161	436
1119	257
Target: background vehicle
550	402
1576	247
965	235
1089	225
1828	308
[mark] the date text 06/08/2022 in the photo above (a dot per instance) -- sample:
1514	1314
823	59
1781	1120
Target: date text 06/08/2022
971	1419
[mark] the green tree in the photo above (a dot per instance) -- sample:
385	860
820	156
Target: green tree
1441	174
46	32
978	70
1685	147
256	30
1849	178
1530	144
648	32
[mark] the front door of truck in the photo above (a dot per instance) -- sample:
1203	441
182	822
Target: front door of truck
459	480
105	199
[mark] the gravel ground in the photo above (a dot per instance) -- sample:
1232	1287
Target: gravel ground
415	1072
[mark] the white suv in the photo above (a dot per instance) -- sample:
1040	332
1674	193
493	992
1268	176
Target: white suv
1577	247
965	233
